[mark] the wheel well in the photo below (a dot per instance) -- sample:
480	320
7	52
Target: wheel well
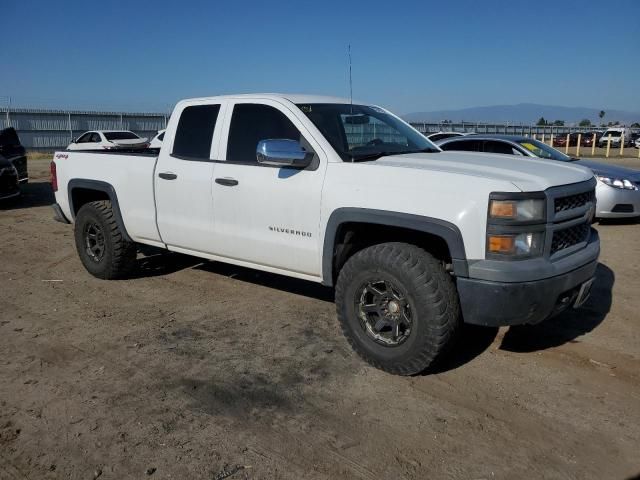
351	237
81	196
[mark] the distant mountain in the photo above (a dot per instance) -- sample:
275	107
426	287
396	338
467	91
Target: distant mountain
523	113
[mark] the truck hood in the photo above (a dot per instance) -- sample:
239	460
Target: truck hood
525	173
608	170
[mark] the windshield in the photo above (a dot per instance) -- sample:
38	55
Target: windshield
613	133
543	150
360	132
121	136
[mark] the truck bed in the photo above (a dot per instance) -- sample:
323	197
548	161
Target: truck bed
136	152
130	173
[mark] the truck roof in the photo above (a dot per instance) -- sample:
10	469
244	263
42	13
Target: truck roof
292	97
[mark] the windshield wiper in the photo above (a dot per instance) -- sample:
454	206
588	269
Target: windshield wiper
424	150
377	155
369	156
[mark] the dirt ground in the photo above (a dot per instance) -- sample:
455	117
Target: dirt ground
196	368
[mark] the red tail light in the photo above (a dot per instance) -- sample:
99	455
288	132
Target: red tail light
54	177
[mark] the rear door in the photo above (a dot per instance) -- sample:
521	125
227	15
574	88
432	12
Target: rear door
267	215
184	178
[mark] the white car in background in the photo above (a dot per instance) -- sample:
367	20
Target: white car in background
108	140
156	142
434	137
616	134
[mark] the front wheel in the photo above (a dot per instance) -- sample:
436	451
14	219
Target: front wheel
100	243
397	306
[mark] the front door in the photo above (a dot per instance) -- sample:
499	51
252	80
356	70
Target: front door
267	215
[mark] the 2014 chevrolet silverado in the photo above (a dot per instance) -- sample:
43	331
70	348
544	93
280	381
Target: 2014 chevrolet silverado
415	240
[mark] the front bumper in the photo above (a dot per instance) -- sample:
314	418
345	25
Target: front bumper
616	202
8	186
499	303
526	294
7	195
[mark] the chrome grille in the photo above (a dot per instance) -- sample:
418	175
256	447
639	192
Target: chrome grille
569	237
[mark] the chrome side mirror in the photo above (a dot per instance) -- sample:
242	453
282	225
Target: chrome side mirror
283	153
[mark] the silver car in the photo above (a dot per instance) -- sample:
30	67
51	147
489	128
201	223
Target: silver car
618	189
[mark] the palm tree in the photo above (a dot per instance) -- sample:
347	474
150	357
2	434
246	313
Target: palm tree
601	115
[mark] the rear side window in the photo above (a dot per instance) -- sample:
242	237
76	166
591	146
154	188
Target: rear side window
195	131
463	145
252	123
121	136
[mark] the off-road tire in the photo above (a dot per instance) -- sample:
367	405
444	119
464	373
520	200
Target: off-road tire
119	255
431	293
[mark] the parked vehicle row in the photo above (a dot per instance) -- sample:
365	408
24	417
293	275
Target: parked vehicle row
415	240
586	139
618	188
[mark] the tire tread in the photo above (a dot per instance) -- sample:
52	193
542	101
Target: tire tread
123	253
432	285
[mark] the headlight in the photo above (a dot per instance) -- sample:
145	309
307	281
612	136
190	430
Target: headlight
516	225
516	245
622	183
528	210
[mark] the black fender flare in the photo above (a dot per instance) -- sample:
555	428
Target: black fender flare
98	186
446	230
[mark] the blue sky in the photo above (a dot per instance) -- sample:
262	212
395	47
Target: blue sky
408	56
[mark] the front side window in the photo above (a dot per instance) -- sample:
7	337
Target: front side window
251	123
95	138
84	138
360	132
195	132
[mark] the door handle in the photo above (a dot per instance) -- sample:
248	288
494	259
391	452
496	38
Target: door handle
167	176
227	182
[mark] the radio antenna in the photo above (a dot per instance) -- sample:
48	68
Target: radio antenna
350	81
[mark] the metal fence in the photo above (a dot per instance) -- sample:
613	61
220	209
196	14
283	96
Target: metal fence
501	128
54	129
49	130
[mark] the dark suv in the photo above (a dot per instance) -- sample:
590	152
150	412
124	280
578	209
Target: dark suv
14	152
13	164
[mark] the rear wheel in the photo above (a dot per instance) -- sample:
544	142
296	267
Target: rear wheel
397	307
100	243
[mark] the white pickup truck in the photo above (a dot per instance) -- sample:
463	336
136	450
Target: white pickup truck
415	240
